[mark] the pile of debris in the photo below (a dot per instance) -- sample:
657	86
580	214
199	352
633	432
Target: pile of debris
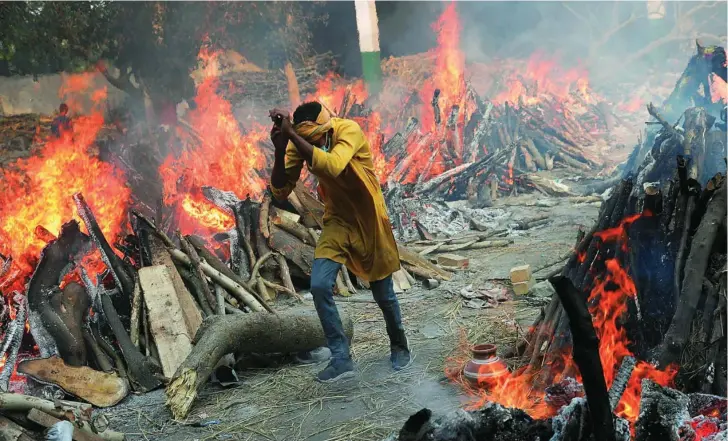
639	306
156	308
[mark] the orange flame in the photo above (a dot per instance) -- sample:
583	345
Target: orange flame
331	90
224	157
38	191
609	299
543	78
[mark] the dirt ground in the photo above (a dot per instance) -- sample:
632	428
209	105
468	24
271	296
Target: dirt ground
279	400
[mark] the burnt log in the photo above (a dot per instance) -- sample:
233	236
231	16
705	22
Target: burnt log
692	284
119	269
142	372
586	356
285	332
491	422
49	330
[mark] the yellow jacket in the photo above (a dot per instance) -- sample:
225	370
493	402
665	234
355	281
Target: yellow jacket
357	231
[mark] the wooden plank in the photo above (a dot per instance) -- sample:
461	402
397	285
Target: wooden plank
400	279
293	217
98	388
192	314
167	321
422	265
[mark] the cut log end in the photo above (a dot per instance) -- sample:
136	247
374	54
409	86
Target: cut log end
181	394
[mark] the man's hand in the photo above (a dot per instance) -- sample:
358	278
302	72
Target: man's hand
282	119
280	141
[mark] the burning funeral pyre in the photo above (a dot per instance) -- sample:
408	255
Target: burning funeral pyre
107	290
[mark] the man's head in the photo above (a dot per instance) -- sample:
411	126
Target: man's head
311	113
63	109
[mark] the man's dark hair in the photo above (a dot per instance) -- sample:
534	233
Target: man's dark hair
306	112
63	108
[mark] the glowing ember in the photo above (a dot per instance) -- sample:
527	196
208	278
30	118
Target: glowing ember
38	191
223	157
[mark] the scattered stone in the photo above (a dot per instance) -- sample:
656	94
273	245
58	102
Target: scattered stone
543	289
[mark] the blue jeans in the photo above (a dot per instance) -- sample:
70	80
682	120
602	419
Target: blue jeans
323	279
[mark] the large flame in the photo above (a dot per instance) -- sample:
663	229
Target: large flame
544	79
609	300
223	157
38	191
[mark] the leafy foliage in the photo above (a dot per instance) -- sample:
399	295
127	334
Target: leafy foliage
154	43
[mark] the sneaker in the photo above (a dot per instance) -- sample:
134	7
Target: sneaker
336	370
401	356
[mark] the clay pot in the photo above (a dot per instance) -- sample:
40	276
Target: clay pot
485	367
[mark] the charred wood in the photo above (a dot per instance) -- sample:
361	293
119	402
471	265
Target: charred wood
586	356
142	372
118	267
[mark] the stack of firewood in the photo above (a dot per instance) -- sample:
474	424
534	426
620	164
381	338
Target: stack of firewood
671	238
170	308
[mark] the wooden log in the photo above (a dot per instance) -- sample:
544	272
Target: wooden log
48	330
470	245
172	339
12	402
194	285
239	291
85	433
142	372
297	252
98	388
527	158
119	269
9	431
571	161
286	332
13	339
414	260
697	263
586	356
242	212
263	220
136	313
537	157
294	228
307	219
526	224
310	203
103	361
285	273
212	260
207	293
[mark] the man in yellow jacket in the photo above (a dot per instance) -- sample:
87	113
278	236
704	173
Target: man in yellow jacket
357	232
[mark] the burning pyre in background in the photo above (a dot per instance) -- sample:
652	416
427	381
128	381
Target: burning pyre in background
37	193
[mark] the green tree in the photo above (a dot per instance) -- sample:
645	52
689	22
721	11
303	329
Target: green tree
146	49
